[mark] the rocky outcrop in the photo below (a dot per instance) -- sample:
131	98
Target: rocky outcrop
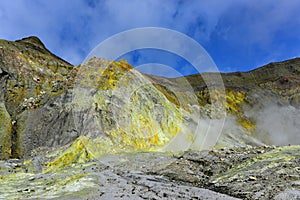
30	77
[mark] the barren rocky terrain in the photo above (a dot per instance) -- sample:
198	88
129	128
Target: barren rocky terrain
103	130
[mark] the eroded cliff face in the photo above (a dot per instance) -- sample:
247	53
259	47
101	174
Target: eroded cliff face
31	78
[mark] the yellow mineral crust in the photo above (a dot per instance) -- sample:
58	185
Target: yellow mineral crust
129	113
234	102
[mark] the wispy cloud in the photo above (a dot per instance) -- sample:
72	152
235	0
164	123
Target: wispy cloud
236	33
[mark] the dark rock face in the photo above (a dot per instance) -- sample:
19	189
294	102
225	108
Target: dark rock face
51	125
31	76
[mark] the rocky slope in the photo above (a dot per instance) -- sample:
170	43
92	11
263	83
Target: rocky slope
263	102
83	132
31	76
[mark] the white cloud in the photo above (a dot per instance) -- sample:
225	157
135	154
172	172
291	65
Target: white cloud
72	28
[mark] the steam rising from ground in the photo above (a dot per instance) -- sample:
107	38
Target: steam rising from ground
280	123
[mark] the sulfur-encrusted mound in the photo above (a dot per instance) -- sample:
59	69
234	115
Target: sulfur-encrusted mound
125	108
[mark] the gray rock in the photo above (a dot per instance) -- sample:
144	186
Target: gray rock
288	195
51	125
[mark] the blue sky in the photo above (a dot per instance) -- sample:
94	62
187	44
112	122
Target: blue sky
239	35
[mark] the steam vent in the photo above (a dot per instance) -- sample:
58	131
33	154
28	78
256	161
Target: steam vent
104	130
